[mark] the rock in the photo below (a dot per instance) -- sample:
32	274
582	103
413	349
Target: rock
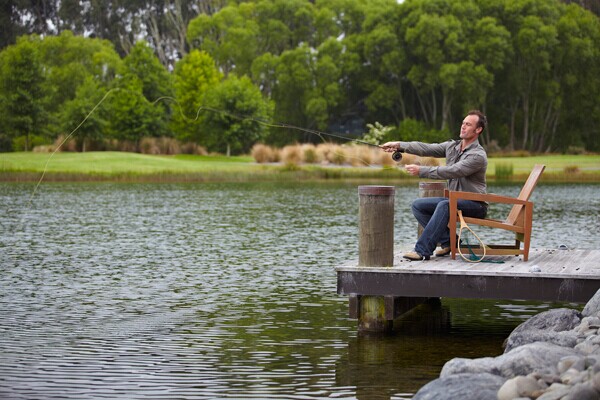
575	362
520	386
582	391
587	347
461	386
555	393
564	339
596	381
593	306
538	356
572	376
540	326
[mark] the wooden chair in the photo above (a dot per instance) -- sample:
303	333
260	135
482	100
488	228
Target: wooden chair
519	219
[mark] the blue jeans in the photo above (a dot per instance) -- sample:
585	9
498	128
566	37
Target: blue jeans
433	214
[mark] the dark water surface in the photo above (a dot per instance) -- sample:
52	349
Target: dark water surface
201	291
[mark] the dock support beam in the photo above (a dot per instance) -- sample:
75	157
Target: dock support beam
375	249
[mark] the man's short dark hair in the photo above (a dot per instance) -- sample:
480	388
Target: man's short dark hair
482	121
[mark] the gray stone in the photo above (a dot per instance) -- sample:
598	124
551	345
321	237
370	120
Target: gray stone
518	387
555	394
596	381
582	391
576	362
555	320
564	339
587	347
593	306
461	386
538	356
572	376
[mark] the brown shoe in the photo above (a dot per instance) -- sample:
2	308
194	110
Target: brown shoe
444	251
414	256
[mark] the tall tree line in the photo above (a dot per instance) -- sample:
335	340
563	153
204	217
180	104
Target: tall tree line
531	65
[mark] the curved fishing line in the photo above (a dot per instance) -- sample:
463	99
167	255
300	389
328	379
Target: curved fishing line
271	124
65	140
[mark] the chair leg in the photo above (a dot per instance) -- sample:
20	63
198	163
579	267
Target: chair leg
452	228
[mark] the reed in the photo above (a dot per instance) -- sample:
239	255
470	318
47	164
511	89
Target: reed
504	171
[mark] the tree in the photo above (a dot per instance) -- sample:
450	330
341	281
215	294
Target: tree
131	115
237	120
80	110
21	89
156	81
194	75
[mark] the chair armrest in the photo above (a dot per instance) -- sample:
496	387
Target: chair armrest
489	197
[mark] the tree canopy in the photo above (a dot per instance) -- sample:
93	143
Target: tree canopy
336	65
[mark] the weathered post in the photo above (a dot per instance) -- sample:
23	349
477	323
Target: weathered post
375	249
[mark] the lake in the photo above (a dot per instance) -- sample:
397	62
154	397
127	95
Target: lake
206	291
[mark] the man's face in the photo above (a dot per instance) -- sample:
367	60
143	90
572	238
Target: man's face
468	129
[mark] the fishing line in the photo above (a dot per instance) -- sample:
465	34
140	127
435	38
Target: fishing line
397	156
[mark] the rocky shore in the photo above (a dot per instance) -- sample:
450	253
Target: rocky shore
554	355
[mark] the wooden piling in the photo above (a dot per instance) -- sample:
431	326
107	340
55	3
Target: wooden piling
375	249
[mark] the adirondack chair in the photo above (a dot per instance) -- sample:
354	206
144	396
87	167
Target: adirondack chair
519	219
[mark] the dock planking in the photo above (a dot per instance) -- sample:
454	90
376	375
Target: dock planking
571	275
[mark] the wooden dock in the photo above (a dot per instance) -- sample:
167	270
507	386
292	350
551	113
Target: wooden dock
549	275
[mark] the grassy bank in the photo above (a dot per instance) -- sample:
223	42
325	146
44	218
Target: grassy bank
119	166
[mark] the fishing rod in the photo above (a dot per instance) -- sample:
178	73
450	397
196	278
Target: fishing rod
396	156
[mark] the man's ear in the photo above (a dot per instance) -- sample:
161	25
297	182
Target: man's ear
479	130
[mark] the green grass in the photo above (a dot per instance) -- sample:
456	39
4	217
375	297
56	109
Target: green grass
120	166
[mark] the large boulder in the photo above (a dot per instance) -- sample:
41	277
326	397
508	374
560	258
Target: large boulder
462	386
551	326
593	305
533	357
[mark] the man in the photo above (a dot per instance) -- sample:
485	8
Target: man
466	164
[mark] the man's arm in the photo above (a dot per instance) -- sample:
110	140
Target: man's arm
465	167
418	148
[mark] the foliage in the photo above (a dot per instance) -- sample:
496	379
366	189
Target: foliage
418	65
236	124
194	75
21	90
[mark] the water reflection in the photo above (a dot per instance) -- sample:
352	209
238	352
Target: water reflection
222	291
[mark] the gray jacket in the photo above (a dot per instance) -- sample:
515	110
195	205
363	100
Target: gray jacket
464	170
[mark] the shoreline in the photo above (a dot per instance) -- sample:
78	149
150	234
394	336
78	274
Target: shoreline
553	355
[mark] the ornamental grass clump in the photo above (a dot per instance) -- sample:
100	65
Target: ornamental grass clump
292	154
262	153
309	153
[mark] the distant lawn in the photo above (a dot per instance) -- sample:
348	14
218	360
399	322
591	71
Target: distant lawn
28	166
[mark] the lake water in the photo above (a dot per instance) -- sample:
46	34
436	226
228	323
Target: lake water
205	291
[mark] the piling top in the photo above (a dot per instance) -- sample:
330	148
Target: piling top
432	185
377	190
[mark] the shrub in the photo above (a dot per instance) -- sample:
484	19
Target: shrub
309	153
571	169
386	160
575	150
504	171
262	153
291	155
193	148
323	152
359	155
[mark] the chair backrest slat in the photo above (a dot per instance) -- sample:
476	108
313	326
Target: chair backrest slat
526	192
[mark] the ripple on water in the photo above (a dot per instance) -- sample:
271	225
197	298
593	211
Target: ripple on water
220	291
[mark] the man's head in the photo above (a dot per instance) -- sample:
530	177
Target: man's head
481	120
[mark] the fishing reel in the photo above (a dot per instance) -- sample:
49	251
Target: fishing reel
397	155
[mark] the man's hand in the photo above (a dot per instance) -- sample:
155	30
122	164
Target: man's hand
412	169
390	147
